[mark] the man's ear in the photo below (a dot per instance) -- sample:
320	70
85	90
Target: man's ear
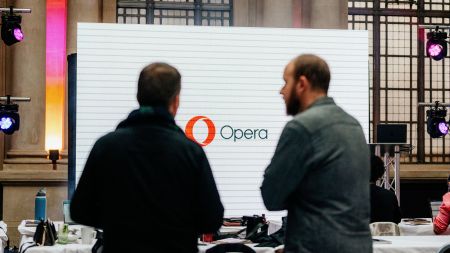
302	84
173	107
177	100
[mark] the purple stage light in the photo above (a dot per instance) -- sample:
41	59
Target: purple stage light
436	46
435	50
443	128
11	29
5	123
18	34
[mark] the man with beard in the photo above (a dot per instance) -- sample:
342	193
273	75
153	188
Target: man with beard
146	184
320	168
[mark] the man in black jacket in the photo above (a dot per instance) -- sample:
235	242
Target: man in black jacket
146	184
383	203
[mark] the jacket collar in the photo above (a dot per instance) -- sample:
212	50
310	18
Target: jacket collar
325	100
146	115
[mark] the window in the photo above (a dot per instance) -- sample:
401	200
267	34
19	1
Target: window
397	78
176	12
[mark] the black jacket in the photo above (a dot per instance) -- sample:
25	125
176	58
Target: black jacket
383	205
148	187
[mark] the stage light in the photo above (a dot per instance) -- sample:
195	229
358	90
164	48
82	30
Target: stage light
436	45
6	122
9	118
11	29
437	126
9	114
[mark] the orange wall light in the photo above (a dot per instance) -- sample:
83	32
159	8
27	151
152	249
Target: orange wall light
55	73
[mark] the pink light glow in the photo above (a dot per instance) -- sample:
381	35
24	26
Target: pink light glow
443	128
435	49
18	34
55	72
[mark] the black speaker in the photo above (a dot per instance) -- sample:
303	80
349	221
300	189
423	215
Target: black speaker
391	133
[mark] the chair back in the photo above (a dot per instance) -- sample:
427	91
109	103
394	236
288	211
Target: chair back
384	229
230	247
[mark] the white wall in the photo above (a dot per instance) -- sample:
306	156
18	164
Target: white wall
230	75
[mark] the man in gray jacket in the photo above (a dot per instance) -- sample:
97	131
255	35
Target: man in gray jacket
320	168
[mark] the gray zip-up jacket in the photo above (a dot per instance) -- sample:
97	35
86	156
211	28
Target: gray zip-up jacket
320	173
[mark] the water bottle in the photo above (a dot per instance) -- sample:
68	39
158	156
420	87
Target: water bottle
40	205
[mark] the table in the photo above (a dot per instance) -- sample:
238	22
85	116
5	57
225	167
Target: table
406	228
411	244
57	248
226	229
203	248
395	244
28	232
27	240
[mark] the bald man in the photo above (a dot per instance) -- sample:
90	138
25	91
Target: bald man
320	168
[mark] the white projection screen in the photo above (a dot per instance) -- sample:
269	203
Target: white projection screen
230	75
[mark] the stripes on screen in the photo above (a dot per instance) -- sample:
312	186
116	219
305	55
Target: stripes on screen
231	76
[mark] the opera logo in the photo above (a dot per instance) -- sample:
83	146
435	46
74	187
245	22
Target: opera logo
189	130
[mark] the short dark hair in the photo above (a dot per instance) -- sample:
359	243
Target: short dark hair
314	68
158	84
376	168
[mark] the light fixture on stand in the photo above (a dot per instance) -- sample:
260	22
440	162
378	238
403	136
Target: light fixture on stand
9	114
436	46
11	30
437	125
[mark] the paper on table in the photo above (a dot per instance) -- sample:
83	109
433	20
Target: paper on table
225	229
231	240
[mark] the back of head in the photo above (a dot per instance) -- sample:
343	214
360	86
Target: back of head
376	168
158	84
315	69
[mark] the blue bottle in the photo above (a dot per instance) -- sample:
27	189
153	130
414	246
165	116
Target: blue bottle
40	205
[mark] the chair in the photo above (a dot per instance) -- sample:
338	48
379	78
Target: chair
444	249
384	229
230	247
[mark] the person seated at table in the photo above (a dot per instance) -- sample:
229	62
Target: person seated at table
383	203
440	223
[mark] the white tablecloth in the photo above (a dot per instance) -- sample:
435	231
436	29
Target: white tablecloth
406	228
202	249
395	244
411	244
57	248
27	240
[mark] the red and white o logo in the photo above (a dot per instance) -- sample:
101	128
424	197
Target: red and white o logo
211	129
